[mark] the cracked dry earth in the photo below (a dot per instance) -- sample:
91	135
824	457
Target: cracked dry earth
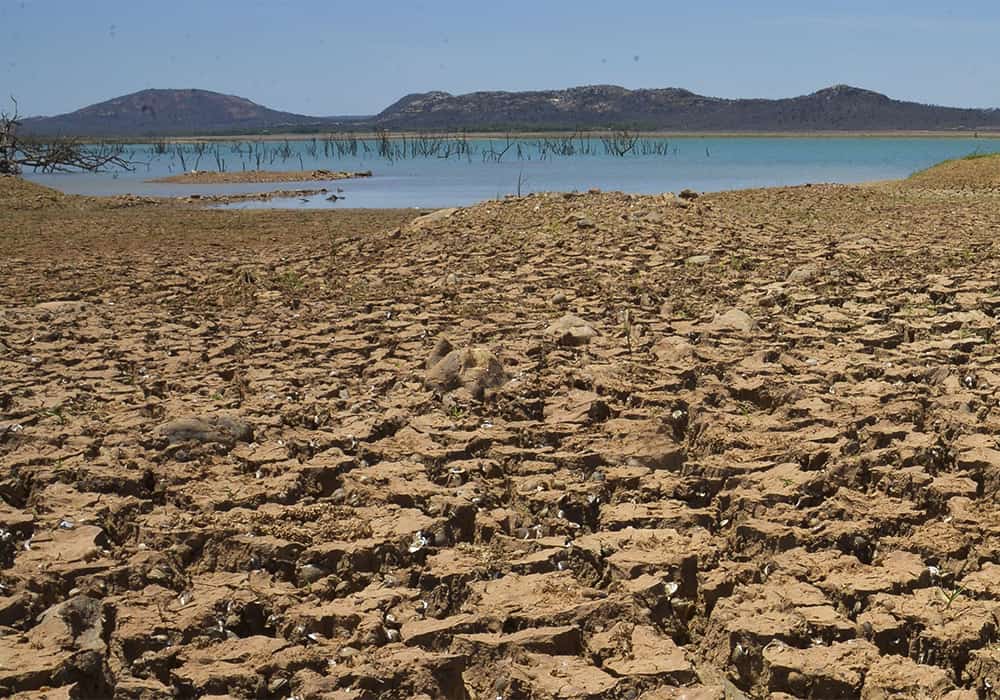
562	446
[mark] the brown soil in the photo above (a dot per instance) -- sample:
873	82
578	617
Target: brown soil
202	177
563	446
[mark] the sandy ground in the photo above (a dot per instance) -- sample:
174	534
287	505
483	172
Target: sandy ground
202	177
563	446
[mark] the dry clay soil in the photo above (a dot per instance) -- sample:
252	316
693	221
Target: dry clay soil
561	446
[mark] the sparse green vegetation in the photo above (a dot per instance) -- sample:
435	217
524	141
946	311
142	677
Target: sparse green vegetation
975	171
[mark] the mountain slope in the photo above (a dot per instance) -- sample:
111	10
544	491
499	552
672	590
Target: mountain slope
836	108
169	112
192	112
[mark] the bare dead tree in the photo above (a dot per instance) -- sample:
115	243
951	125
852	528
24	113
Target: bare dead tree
8	141
620	142
61	154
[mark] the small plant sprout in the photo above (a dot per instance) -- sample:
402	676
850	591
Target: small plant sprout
950	597
627	328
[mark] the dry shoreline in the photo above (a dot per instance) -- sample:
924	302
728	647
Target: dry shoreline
559	446
203	177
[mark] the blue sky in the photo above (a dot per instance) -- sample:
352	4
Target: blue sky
332	57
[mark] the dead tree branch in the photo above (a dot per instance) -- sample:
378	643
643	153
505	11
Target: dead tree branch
54	155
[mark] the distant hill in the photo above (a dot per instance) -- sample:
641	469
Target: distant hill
172	112
841	107
838	108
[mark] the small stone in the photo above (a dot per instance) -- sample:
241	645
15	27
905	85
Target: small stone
63	307
225	430
310	573
473	369
571	331
428	220
736	320
804	273
276	685
797	683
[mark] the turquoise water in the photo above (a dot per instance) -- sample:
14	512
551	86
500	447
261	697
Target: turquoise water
448	174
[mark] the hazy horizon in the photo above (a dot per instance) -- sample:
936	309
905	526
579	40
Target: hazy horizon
771	50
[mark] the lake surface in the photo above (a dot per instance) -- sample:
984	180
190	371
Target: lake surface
431	173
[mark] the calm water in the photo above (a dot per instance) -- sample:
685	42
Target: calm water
705	164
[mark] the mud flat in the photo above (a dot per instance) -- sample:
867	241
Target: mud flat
563	446
198	198
202	177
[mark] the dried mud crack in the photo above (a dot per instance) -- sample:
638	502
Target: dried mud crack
561	446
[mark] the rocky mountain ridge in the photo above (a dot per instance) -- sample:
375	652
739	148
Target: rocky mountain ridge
841	107
838	108
172	112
